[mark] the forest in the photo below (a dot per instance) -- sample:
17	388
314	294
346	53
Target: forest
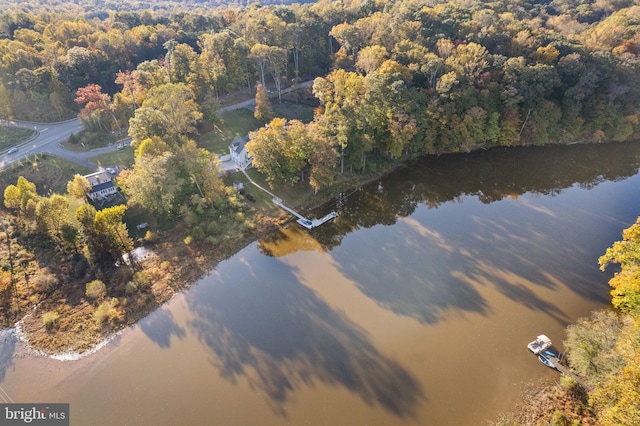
395	79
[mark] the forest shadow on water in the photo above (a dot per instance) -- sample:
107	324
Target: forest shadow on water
8	342
426	274
160	326
276	334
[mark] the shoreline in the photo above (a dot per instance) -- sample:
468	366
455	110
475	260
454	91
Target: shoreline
189	264
203	258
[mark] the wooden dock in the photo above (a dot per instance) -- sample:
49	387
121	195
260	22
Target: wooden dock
278	202
539	347
303	221
565	371
310	224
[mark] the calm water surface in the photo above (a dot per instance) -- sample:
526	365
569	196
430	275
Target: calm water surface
414	307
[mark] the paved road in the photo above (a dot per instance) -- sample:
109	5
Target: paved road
251	102
49	137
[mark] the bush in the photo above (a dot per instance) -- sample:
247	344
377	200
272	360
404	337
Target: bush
95	289
567	382
141	279
558	418
50	318
188	239
213	228
73	139
109	310
45	282
80	267
151	237
101	314
198	233
130	288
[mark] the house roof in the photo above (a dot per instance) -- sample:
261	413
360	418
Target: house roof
98	178
238	143
101	186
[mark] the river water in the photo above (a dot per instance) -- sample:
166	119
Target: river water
414	307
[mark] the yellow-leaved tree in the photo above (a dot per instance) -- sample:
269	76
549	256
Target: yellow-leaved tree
625	293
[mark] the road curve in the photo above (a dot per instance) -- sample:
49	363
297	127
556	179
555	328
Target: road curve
49	137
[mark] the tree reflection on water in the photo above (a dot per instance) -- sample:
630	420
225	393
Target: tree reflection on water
490	176
436	261
8	341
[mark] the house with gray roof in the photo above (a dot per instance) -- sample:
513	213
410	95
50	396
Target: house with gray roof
238	151
101	185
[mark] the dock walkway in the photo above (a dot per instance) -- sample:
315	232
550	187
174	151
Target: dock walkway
303	221
551	359
565	371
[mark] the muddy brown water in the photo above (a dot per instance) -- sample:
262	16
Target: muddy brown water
414	307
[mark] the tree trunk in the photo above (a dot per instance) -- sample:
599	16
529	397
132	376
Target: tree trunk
525	122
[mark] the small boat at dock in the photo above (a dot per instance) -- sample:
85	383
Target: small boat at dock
539	345
310	224
547	361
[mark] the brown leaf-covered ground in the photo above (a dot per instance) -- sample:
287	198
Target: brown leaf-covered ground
173	268
549	403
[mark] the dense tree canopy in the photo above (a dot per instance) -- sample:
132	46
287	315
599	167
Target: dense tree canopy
626	283
395	79
605	348
473	73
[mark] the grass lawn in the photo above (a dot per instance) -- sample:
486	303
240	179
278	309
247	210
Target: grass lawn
216	138
263	201
11	136
297	196
123	158
86	140
50	174
293	111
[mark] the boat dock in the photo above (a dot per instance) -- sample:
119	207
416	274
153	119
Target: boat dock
310	224
555	362
303	221
539	346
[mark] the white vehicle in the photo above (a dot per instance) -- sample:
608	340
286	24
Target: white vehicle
12	150
110	171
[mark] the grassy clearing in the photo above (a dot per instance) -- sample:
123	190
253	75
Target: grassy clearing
217	137
294	111
11	136
86	140
123	158
50	174
262	201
